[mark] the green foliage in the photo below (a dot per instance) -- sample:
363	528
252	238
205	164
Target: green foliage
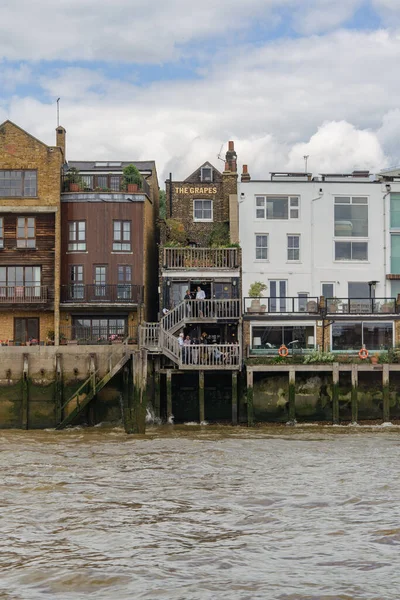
176	231
51	335
131	174
163	204
73	176
256	289
318	357
384	357
219	235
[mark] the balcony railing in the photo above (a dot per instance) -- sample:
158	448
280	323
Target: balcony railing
281	305
78	334
214	355
103	185
15	294
201	258
361	306
212	309
122	293
149	335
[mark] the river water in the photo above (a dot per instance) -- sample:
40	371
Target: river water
198	513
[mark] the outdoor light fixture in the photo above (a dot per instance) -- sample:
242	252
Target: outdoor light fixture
388	187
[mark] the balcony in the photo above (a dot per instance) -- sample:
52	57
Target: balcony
96	335
293	305
36	294
105	185
180	259
357	306
122	293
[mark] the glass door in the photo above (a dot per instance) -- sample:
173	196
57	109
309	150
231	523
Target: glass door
26	330
100	278
277	295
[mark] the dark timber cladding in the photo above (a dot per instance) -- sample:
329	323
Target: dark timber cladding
99	218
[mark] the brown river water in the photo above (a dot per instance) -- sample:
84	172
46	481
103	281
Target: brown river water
301	513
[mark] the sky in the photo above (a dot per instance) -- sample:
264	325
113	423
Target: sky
174	80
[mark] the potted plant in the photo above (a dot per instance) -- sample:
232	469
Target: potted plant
256	290
73	179
374	359
333	305
50	337
131	178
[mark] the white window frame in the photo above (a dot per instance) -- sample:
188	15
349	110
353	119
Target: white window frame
262	247
362	261
77	243
291	235
284	324
202	179
328	283
293	205
195	219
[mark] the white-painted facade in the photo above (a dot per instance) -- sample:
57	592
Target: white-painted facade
331	258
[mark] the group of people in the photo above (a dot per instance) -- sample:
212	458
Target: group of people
198	355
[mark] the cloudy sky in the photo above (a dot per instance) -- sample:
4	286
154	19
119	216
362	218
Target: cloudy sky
174	80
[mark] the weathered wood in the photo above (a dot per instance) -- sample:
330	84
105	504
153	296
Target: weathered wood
201	397
386	393
234	398
354	393
292	396
335	394
157	388
58	400
169	396
25	393
250	396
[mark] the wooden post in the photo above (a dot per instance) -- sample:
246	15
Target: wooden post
92	370
25	393
169	396
157	388
201	396
234	397
292	396
386	393
335	394
127	381
58	390
250	398
354	393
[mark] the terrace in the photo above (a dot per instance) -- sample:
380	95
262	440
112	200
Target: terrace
201	258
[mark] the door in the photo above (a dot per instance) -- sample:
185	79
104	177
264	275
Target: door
277	295
26	330
178	291
124	287
100	279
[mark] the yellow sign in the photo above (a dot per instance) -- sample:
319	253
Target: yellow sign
196	190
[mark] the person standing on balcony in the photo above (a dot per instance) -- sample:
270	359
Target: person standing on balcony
200	295
188	296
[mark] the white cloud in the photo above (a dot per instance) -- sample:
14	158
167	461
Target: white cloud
11	76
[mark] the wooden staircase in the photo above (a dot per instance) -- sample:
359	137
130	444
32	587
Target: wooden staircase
88	390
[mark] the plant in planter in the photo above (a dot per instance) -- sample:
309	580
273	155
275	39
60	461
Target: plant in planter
374	359
50	337
256	290
73	180
333	305
131	178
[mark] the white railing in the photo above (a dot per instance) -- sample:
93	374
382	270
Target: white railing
210	355
149	335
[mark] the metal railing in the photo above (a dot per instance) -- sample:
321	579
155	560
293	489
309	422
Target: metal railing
203	258
361	306
281	305
93	184
23	294
122	293
78	334
149	335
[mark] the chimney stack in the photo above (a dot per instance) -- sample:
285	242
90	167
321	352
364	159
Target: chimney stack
231	158
245	174
60	140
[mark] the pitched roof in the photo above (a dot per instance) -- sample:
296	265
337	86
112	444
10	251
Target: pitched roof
8	122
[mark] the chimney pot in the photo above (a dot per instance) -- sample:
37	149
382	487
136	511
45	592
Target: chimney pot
231	146
245	169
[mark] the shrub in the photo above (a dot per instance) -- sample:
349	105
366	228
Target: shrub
256	289
319	357
176	231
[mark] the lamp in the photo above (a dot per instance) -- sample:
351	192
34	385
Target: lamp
256	341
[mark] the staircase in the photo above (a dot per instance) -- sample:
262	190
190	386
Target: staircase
198	356
88	391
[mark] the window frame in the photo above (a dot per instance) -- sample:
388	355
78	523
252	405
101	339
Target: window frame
122	241
266	235
351	323
288	249
336	202
208	168
293	204
332	283
350	241
76	241
23	184
203	220
22	242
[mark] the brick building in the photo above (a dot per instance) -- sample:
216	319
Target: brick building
30	175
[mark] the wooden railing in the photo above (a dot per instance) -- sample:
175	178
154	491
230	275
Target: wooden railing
212	309
23	294
213	355
149	335
201	258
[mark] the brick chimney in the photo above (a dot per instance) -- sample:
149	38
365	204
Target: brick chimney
231	158
60	140
245	174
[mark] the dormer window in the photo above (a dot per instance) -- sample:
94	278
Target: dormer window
206	174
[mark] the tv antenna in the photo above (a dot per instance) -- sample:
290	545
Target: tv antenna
58	112
219	155
306	157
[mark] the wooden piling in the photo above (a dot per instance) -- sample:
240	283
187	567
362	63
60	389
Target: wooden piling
386	393
234	398
335	394
292	396
201	397
169	396
354	393
25	393
157	388
250	398
58	400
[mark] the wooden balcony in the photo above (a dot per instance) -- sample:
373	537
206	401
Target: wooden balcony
123	293
221	259
14	294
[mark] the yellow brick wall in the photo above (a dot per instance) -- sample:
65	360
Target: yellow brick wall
397	333
46	323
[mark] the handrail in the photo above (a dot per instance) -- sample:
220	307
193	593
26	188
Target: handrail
361	305
286	304
77	392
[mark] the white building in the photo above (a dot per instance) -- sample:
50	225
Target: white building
306	237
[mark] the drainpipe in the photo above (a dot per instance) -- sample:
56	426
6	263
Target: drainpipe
170	195
388	190
320	194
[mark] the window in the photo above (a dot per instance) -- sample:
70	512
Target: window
122	236
268	339
395	211
1	232
351	216
352	336
351	251
124	288
277	207
328	290
261	247
358	289
206	174
18	183
202	210
100	279
87	182
76	282
293	247
96	329
395	254
77	236
26	329
102	181
302	301
26	232
114	183
20	282
277	294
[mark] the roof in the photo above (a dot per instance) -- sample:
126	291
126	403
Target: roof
8	122
111	165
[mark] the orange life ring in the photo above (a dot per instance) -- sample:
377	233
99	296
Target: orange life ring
363	353
283	351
